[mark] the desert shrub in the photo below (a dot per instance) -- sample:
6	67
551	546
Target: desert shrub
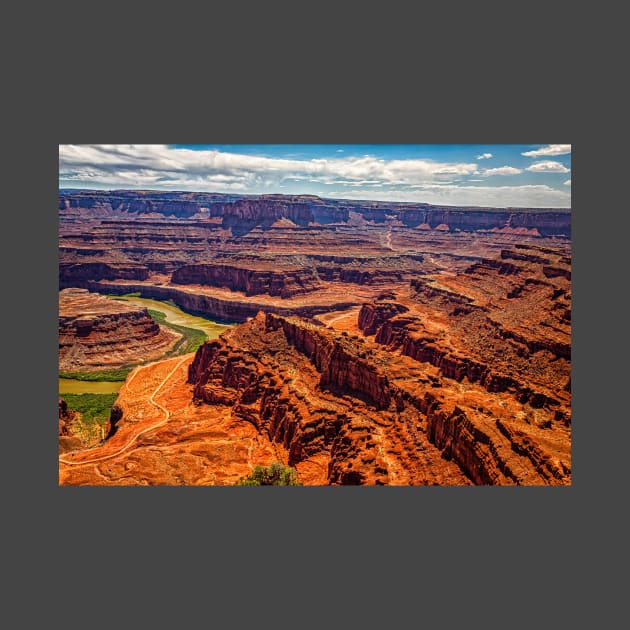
113	375
95	410
275	475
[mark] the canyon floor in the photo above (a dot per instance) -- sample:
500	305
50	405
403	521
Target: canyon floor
376	346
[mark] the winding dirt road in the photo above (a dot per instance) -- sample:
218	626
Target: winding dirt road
167	415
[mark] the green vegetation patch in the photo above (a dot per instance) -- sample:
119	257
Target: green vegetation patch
191	338
275	475
124	296
190	341
158	317
95	410
119	374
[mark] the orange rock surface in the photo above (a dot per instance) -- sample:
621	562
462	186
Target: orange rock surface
378	345
165	438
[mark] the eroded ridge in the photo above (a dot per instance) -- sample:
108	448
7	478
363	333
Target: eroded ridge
98	333
380	343
374	415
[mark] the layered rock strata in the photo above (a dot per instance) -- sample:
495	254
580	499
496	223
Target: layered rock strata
241	213
378	417
98	333
445	358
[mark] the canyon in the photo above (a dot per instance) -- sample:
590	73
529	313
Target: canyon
98	333
378	343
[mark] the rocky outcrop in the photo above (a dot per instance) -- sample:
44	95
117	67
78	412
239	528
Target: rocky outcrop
458	367
241	213
335	358
555	272
491	266
500	340
373	315
545	222
283	283
97	333
267	209
65	417
139	202
325	213
220	309
361	275
67	440
317	391
514	254
71	273
422	289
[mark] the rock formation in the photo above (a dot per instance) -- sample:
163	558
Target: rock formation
283	282
379	343
68	441
97	333
377	417
243	213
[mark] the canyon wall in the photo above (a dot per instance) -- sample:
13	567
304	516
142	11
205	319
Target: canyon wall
242	213
72	273
283	283
97	333
380	343
219	309
317	391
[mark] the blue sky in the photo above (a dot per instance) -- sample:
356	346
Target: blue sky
527	175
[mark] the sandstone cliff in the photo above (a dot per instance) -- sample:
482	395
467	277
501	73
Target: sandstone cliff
445	357
70	273
97	333
377	417
284	283
219	308
241	214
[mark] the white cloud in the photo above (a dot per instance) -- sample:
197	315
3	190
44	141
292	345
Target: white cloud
148	165
548	166
352	177
550	149
567	183
503	170
527	196
484	156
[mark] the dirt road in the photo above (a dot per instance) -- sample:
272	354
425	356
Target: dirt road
167	415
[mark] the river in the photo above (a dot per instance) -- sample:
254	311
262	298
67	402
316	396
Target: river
176	316
74	386
173	315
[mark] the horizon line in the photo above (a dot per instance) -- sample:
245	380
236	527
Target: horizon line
307	195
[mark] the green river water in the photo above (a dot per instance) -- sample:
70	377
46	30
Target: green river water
173	315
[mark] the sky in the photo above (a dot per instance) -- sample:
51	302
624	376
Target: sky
524	175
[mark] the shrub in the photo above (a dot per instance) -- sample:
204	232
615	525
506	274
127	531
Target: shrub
275	475
113	375
95	410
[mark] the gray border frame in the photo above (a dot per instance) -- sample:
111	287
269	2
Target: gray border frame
388	557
